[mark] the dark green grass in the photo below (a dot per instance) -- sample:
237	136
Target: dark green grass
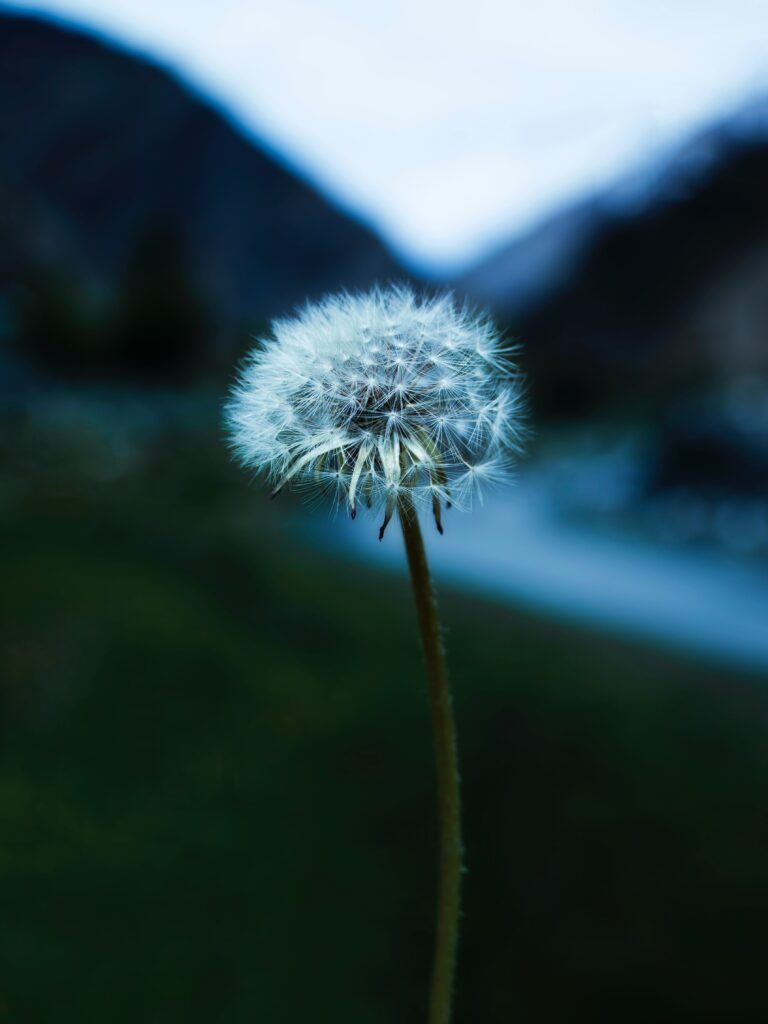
216	788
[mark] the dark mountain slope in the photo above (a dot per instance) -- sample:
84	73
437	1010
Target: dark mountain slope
101	151
620	289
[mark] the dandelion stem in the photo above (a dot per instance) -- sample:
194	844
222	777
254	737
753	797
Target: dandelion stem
446	939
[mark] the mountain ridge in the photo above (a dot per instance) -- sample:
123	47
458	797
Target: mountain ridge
619	295
100	145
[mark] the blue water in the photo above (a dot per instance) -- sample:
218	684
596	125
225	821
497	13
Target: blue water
518	548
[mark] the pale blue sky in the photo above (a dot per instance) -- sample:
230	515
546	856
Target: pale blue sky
453	126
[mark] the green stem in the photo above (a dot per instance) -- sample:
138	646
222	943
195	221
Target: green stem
448	904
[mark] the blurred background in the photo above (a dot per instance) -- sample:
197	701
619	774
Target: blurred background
216	787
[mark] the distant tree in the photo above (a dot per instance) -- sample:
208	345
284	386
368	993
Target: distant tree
159	326
59	329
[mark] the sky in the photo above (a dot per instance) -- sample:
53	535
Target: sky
451	127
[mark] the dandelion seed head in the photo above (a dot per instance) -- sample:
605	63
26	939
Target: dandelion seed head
369	397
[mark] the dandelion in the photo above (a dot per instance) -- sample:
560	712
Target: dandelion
380	398
398	404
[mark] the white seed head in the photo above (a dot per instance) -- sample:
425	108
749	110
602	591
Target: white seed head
376	397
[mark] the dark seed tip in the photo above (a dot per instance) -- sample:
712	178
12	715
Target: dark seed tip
440	529
353	512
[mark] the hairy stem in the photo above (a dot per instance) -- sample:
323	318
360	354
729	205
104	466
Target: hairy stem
448	904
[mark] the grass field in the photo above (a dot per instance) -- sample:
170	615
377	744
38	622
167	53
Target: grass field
216	787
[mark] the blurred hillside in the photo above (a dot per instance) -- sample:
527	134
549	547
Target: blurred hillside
142	231
652	287
216	779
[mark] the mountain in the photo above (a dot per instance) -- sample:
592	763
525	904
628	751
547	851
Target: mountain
655	283
116	179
